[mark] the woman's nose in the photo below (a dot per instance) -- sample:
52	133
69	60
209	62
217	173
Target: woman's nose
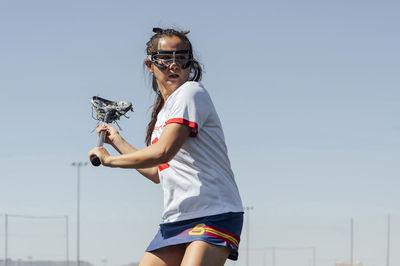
173	65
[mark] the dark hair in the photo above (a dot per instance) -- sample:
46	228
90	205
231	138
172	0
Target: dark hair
195	72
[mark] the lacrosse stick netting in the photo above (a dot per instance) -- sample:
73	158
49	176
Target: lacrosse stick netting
107	112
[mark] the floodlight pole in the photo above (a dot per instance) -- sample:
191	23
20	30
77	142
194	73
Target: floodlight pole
6	239
78	165
248	209
67	238
352	242
388	243
273	256
314	255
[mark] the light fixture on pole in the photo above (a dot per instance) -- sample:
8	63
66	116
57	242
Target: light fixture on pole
78	165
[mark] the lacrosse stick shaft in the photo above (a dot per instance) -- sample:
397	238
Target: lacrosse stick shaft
101	139
95	160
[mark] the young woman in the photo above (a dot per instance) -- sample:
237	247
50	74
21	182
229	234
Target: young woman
186	153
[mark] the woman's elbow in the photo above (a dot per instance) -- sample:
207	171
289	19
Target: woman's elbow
155	179
165	156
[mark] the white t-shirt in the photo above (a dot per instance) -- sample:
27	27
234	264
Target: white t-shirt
198	181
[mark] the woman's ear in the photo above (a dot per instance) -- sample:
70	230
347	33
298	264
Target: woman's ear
148	65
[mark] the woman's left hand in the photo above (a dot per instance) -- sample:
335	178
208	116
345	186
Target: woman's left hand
101	153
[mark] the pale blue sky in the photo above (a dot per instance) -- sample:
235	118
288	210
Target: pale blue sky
307	91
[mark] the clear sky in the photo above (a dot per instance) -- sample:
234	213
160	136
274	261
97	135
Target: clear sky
307	91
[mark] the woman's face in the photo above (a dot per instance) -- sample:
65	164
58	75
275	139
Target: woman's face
173	76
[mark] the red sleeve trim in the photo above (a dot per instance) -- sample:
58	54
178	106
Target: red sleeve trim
163	167
192	125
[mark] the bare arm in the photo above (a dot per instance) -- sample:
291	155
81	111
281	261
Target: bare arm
123	147
171	140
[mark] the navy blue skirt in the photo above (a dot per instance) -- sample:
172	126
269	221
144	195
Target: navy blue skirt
222	230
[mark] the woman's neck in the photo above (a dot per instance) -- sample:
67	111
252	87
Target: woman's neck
166	91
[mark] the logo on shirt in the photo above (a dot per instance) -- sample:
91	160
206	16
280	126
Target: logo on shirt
161	166
157	128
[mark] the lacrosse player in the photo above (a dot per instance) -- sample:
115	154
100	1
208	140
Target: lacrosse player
186	153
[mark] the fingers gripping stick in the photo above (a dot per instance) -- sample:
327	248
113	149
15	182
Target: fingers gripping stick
108	112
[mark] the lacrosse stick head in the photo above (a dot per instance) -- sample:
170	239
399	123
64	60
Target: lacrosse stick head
109	111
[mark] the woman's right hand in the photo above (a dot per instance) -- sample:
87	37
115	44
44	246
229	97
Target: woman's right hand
111	134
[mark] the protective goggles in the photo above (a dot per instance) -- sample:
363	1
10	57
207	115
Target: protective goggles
163	59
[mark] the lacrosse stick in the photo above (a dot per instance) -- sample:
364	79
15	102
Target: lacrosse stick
107	112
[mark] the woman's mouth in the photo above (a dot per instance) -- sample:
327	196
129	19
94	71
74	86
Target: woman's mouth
173	76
